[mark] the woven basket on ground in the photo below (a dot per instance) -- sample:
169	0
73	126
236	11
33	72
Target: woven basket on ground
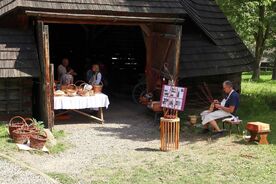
15	123
21	135
38	141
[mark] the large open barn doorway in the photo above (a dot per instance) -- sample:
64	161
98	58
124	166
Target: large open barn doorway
119	50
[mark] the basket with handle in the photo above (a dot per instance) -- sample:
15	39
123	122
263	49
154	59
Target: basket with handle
82	91
15	123
22	134
32	126
71	90
98	87
79	83
38	141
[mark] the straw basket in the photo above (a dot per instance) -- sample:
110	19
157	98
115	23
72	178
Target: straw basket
98	88
71	90
15	123
192	119
79	83
169	134
21	135
31	126
38	141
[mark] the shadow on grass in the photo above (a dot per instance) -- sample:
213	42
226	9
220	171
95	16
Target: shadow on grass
245	142
147	149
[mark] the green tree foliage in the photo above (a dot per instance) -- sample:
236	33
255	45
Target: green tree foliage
254	21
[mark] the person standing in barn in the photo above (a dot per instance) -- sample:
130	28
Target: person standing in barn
65	74
227	107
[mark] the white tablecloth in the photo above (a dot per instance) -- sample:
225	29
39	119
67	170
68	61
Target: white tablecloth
81	102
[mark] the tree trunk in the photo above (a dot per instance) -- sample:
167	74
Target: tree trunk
260	37
274	70
256	71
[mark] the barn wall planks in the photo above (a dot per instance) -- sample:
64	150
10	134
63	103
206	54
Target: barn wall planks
15	96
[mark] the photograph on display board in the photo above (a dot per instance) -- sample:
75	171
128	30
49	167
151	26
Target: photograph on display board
173	97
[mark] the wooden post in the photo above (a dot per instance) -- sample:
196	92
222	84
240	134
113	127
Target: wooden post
178	49
52	113
44	58
148	42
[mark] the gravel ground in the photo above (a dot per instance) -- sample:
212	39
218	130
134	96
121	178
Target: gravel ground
128	138
11	173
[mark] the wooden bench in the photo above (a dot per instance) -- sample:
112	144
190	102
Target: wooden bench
258	129
232	123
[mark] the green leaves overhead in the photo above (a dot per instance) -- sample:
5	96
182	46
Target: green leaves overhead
244	15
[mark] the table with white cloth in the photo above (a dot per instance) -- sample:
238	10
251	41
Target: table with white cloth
96	102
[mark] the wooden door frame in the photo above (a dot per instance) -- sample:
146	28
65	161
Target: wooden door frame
46	90
47	113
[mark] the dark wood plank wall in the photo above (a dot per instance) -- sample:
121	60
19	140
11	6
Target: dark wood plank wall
18	54
195	97
15	97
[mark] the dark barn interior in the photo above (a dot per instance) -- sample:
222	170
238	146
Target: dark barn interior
119	50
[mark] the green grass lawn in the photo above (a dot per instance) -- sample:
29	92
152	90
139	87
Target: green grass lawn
258	101
199	160
227	160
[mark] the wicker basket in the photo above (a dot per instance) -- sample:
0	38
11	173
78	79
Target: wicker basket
21	135
15	123
192	119
71	90
38	141
78	83
84	93
91	93
98	88
31	126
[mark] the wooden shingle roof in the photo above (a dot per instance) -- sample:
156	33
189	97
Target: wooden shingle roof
18	54
210	45
127	6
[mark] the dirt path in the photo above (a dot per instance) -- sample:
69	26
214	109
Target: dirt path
12	173
128	129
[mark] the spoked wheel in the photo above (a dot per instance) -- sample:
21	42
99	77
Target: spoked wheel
139	89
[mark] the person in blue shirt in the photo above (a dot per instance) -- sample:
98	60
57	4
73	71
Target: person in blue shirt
94	75
227	107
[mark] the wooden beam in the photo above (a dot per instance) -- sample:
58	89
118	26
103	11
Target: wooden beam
46	90
146	29
82	17
178	49
51	108
41	54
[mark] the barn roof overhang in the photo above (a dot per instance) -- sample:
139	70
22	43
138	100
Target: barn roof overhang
80	18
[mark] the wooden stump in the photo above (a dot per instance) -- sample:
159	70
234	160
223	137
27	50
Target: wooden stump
169	134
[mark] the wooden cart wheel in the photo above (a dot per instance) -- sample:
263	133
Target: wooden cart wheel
139	90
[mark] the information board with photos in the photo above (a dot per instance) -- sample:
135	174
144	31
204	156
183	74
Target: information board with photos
173	97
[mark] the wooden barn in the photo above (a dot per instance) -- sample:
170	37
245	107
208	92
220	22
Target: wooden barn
129	37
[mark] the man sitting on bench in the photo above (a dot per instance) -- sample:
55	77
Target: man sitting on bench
227	107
